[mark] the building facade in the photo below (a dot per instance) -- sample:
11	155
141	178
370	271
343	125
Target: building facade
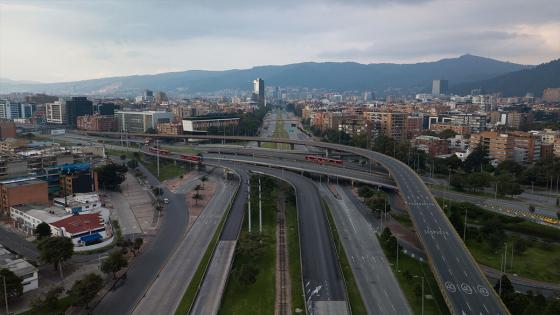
140	122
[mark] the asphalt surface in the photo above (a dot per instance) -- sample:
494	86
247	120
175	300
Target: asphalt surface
322	279
464	286
165	293
378	286
146	266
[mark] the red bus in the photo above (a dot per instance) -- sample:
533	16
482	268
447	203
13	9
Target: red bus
189	157
323	160
160	151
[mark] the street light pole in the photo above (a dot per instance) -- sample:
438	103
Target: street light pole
465	227
249	202
422	295
157	156
5	294
260	207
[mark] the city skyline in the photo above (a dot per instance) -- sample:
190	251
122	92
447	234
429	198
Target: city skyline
110	38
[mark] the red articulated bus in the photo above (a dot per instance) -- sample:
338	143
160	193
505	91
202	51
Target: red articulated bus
323	160
160	151
189	157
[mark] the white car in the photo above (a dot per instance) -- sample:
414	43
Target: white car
165	200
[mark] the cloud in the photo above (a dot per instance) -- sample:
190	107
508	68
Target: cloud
69	40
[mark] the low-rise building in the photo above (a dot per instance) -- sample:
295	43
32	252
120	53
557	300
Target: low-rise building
83	229
170	128
140	122
28	273
432	145
97	123
7	129
22	191
204	123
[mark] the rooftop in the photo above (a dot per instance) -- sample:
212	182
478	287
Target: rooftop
17	265
80	223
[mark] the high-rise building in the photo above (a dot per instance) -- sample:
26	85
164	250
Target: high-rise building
56	113
440	87
258	91
76	107
9	110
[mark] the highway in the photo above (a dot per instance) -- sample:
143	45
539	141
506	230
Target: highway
464	286
165	293
145	267
378	286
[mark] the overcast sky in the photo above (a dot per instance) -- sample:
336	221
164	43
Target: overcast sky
53	41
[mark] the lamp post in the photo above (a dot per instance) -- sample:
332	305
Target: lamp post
5	294
422	292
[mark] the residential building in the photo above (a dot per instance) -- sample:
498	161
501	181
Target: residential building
432	145
516	120
551	95
97	123
140	122
7	129
170	128
22	191
390	124
28	273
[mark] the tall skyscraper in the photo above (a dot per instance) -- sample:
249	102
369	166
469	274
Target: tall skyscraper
258	91
75	107
440	87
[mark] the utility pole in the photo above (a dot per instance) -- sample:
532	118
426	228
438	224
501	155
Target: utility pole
465	227
249	202
397	256
5	295
157	156
423	295
260	207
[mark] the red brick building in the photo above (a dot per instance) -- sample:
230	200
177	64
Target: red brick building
14	192
7	129
432	145
97	123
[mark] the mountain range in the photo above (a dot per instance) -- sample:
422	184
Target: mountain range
382	78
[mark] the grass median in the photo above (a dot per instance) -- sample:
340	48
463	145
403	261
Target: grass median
409	274
251	284
294	259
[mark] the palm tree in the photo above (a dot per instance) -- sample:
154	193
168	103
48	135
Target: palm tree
203	179
197	196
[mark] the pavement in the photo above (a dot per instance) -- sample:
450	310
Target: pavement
165	293
378	286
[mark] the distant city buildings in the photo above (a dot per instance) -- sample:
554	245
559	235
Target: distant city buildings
204	123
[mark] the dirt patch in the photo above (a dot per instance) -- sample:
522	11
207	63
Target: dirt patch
196	206
174	183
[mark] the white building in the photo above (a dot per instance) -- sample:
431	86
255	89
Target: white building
27	272
82	202
56	113
140	122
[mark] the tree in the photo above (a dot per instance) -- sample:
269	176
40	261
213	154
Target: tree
158	191
447	133
132	164
197	196
136	155
508	185
115	262
123	157
137	244
476	159
55	250
509	167
458	181
477	180
203	179
456	220
48	300
532	208
553	308
84	290
110	176
42	230
13	288
376	202
365	192
507	287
